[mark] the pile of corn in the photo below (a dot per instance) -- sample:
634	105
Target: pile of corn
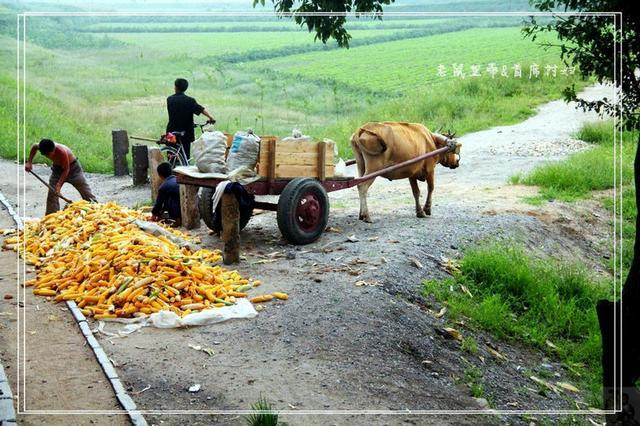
94	255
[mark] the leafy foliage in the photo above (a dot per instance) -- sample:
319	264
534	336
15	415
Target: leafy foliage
589	41
327	27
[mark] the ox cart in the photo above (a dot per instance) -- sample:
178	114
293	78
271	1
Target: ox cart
303	205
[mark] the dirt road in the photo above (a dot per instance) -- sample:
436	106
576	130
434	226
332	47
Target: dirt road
335	345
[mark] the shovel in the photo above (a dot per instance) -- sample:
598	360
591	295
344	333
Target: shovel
50	187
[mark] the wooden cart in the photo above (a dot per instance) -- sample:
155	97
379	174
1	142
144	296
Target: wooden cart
303	205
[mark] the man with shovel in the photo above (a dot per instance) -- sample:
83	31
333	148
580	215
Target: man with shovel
65	168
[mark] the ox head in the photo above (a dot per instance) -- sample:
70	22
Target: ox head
450	159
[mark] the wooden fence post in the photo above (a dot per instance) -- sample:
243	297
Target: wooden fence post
120	147
230	211
155	158
189	206
140	160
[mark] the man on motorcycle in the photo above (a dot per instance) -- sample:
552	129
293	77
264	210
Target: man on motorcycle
181	109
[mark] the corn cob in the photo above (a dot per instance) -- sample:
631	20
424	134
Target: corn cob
93	254
262	298
280	295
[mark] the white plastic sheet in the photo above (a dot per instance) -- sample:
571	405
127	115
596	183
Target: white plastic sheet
167	319
157	230
297	136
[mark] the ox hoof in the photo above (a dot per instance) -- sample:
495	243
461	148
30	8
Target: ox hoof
427	212
421	213
366	218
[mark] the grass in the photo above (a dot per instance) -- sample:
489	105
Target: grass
473	379
469	345
627	227
518	297
576	177
586	171
464	106
265	417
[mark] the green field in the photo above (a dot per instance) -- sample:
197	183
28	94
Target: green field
407	64
199	45
82	83
258	26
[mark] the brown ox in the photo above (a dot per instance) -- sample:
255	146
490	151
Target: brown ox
379	145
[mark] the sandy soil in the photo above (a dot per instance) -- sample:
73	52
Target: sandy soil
338	346
60	371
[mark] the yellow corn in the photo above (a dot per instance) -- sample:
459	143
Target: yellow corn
262	298
280	295
111	268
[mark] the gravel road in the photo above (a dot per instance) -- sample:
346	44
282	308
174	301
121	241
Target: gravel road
336	345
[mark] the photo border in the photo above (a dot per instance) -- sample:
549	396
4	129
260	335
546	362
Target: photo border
21	101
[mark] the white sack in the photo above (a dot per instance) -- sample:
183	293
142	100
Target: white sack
208	152
244	151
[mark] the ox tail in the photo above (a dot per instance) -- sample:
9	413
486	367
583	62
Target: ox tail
369	145
357	154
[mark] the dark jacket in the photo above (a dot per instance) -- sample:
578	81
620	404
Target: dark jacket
168	199
181	109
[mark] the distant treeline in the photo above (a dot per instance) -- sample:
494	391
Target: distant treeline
238	29
53	34
56	33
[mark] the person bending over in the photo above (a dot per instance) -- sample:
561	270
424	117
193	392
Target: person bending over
65	168
167	206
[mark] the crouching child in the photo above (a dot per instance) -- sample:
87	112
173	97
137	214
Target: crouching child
167	206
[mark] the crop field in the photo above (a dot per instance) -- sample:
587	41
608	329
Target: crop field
272	81
258	26
406	64
198	45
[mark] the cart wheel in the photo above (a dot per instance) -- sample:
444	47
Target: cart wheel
303	211
205	207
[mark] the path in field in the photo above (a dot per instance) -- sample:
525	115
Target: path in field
490	157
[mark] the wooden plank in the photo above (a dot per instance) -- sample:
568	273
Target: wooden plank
155	158
189	207
302	171
297	147
271	171
120	148
303	159
140	160
322	160
230	211
303	156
